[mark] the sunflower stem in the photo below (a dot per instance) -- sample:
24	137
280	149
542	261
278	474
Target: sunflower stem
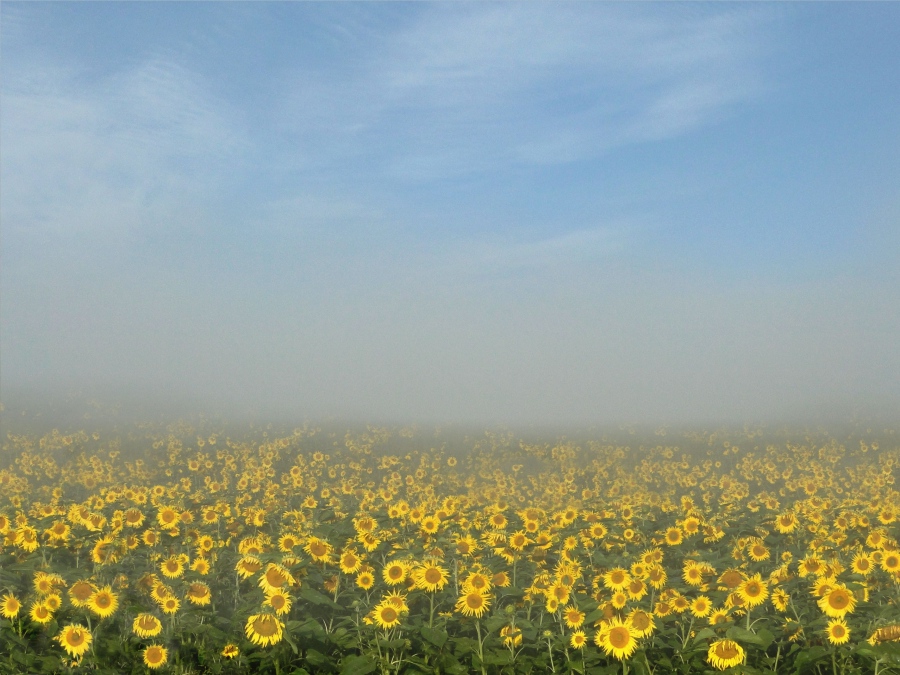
480	647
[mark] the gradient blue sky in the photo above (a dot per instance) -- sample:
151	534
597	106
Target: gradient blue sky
492	212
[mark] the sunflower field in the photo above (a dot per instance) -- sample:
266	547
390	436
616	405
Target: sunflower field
188	549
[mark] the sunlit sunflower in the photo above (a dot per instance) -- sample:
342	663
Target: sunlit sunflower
724	654
230	651
837	601
573	617
40	613
474	603
103	602
386	616
617	639
155	656
578	640
146	625
279	601
170	604
75	639
616	579
365	580
753	591
837	632
264	629
172	567
430	577
674	536
10	607
350	562
247	566
701	606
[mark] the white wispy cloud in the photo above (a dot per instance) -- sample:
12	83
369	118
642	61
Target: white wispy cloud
471	88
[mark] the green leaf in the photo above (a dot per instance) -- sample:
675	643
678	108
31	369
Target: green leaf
704	634
739	634
358	665
435	636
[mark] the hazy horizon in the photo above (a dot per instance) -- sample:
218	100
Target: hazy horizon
577	214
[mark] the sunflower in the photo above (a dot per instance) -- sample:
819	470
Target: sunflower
753	591
674	536
201	566
578	640
430	577
725	654
172	567
264	629
718	617
837	631
701	606
146	625
40	613
199	594
318	549
616	579
780	600
837	601
573	617
170	604
350	562
155	656
641	622
617	639
365	580
247	566
75	639
512	636
501	580
891	562
386	616
862	564
693	573
103	602
786	523
279	601
394	573
274	578
10	607
230	650
474	603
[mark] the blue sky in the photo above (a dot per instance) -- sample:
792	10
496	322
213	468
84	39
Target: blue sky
516	212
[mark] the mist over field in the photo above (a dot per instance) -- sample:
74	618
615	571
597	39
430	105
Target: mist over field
452	213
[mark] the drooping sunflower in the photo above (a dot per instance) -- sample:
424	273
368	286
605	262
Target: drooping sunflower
146	625
80	592
199	594
837	601
155	656
75	639
103	602
641	622
474	603
264	629
274	578
230	651
617	639
724	654
430	577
